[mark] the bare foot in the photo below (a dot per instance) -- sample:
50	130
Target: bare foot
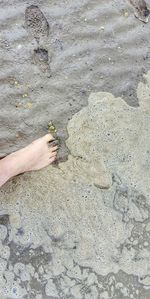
33	157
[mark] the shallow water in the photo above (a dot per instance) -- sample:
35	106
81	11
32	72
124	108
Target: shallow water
92	46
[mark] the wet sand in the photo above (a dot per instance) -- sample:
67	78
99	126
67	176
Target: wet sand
91	47
80	230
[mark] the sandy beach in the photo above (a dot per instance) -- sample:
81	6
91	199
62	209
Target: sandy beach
79	229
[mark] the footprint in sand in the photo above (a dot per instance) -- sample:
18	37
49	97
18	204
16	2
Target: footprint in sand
141	11
36	23
41	58
38	27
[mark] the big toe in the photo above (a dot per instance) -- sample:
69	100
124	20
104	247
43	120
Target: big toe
48	137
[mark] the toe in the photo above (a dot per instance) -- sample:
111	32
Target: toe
54	148
48	137
51	160
53	154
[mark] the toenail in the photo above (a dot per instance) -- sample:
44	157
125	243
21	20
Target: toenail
53	143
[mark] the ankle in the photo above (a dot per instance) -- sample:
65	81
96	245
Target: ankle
8	168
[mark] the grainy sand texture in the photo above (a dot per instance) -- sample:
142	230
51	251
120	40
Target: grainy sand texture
81	229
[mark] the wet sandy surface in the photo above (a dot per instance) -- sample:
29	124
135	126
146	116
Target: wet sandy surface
91	46
80	230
